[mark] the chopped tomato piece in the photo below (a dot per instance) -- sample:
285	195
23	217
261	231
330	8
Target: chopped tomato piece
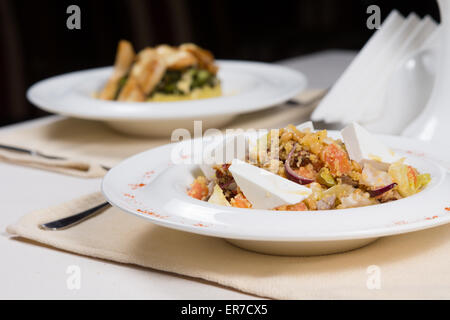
297	207
307	172
199	189
336	160
240	201
412	175
301	206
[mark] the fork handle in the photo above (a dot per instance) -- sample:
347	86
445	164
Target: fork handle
72	220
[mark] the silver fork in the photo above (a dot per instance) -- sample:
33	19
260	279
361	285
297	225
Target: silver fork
75	219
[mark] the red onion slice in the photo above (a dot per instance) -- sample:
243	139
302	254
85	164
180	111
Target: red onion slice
229	185
380	191
291	174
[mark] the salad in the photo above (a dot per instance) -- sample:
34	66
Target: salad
162	73
298	169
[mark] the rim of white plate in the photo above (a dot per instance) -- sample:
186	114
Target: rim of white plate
226	228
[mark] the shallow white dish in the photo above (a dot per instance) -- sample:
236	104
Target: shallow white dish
246	86
151	186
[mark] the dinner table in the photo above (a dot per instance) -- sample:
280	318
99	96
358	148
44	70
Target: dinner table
35	271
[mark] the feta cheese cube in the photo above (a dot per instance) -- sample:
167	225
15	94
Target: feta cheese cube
217	197
264	189
363	147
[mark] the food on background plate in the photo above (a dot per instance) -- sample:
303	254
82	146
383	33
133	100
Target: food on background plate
299	169
162	73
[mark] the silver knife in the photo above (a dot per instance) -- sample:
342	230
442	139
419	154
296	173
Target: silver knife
35	153
72	220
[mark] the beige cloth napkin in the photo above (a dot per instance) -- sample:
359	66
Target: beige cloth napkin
409	266
89	145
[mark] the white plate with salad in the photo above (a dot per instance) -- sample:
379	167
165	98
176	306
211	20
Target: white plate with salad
326	192
160	89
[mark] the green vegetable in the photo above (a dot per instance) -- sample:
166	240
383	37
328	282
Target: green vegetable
201	78
120	86
339	190
170	80
423	180
203	75
399	173
168	83
324	177
407	179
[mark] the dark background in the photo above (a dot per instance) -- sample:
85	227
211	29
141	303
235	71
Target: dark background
35	43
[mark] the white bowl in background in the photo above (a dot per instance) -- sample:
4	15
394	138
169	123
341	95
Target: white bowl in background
247	86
